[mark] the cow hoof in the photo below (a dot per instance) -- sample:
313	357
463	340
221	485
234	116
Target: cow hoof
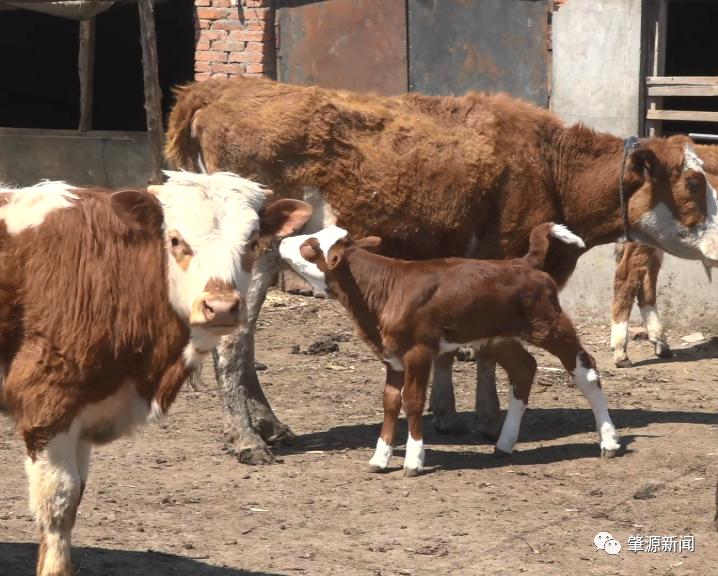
623	362
283	436
374	469
490	432
411	472
452	425
255	455
607	453
663	351
499	453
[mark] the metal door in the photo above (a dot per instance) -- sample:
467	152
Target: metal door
493	45
353	44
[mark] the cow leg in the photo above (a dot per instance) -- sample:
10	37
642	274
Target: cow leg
563	342
488	409
249	420
392	406
626	283
443	404
417	368
55	490
649	313
521	368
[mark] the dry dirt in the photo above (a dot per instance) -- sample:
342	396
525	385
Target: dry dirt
174	501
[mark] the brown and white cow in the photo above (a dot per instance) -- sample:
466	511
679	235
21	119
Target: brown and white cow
636	279
108	301
434	177
411	312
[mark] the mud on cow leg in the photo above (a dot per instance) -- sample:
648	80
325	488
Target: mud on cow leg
488	410
250	422
443	404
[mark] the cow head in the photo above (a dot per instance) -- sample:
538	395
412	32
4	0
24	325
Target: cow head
214	226
672	204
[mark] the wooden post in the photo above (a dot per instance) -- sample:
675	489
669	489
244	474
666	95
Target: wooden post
86	69
153	94
657	63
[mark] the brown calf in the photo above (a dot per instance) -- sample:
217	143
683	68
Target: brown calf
412	312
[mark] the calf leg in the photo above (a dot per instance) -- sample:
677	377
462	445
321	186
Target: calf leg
626	283
649	313
250	421
417	367
521	368
55	490
562	341
488	409
392	406
443	404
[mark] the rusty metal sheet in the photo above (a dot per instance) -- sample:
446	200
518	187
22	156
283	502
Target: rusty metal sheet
351	44
494	45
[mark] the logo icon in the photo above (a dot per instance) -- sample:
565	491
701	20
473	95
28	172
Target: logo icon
604	541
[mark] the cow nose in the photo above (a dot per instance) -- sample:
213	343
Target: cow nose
222	309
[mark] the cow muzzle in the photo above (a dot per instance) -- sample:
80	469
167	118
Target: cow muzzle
220	307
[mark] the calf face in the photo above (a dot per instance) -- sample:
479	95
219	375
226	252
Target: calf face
672	204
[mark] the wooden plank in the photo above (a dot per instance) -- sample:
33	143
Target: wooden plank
683	90
686	80
153	94
691	115
86	70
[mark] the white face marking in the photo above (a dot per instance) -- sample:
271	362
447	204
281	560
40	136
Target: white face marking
586	380
216	215
658	227
289	251
28	207
512	425
414	458
619	335
382	455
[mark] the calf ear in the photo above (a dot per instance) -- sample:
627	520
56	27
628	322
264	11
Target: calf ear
311	251
645	163
283	217
370	243
138	210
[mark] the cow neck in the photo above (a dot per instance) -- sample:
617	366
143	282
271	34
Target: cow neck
587	172
365	281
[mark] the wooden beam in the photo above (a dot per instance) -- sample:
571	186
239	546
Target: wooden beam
683	90
153	94
690	115
86	69
685	80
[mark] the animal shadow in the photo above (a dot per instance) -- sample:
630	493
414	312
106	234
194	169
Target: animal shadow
18	559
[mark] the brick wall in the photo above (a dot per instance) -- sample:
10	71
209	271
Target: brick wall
234	37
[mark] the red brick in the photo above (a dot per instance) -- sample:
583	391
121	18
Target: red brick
219	75
223	4
259	68
201	66
202	2
210	35
249	57
227	25
257	3
224	46
259	14
201	76
210	56
265	35
258	47
202	45
213	13
232	69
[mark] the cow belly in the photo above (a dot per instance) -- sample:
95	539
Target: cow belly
115	416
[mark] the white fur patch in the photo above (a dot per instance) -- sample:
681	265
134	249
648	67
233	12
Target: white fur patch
512	425
28	207
382	455
561	232
396	364
619	335
323	215
414	458
652	322
289	251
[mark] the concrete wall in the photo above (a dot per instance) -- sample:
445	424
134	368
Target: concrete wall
94	158
596	76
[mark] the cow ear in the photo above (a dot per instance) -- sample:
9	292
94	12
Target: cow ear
138	210
283	217
311	251
370	243
645	163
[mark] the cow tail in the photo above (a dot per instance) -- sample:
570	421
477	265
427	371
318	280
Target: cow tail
182	146
539	242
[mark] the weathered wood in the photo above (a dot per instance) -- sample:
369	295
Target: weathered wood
686	80
657	60
86	70
683	90
153	94
691	115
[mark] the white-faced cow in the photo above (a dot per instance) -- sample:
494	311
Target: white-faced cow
411	312
433	177
108	301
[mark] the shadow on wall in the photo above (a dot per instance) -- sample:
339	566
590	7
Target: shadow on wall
18	559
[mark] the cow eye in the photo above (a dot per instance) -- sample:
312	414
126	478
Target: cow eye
174	241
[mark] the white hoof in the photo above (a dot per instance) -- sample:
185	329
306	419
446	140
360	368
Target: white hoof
382	454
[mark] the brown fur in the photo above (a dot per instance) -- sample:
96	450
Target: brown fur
405	309
78	320
428	173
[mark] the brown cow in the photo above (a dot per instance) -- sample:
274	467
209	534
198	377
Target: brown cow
108	301
636	278
434	177
411	312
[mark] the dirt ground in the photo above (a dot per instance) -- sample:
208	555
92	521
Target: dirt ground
174	501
